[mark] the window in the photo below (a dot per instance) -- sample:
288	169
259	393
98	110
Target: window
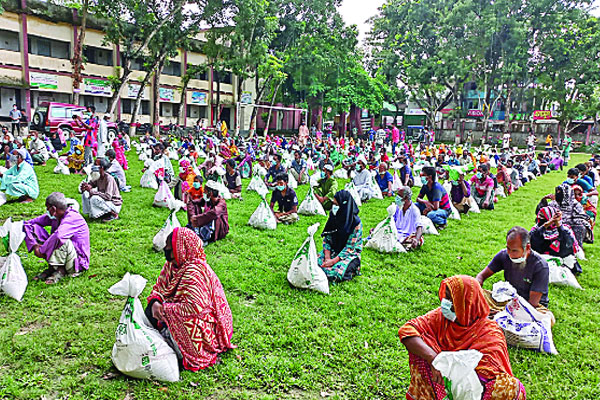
145	107
58	112
49	47
203	76
136	64
172	68
169	110
225	77
96	55
9	40
127	106
196	112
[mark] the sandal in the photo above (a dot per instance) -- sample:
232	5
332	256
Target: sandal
45	274
54	279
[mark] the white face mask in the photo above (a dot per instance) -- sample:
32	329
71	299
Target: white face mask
334	209
447	310
94	176
520	260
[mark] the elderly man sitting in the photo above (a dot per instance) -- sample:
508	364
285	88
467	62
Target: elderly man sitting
101	197
20	179
523	268
362	180
408	220
116	170
384	180
67	247
38	149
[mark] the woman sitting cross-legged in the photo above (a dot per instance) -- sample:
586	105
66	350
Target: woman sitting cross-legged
188	305
461	323
342	239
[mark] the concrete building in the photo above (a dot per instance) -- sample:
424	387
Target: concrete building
36	45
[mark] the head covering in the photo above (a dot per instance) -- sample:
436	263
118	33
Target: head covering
342	224
212	185
361	159
328	167
471	330
22	152
544	215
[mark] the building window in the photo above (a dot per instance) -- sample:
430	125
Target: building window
49	48
202	76
9	40
96	55
172	68
169	110
196	112
127	106
136	64
225	77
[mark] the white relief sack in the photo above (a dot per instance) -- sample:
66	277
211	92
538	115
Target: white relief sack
384	237
305	273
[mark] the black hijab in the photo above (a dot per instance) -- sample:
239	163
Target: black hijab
341	225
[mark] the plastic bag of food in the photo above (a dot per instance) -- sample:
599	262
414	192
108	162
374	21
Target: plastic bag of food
458	370
159	241
311	205
13	279
163	197
384	237
257	185
351	188
140	351
263	217
305	273
428	226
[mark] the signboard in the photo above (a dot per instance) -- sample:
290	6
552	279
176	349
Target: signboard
133	90
199	98
542	114
43	81
246	97
446	111
365	114
415	111
99	87
166	95
474	113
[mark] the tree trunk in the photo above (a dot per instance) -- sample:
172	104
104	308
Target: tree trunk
507	109
259	95
114	100
271	109
218	113
181	118
138	100
155	94
77	60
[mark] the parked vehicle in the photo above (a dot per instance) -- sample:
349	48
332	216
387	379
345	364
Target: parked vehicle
50	116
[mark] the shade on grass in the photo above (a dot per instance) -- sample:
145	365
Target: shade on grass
291	343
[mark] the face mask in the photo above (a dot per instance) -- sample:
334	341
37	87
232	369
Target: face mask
334	209
570	181
455	183
479	175
273	163
50	215
359	168
401	165
399	201
280	188
520	260
424	180
196	185
94	176
447	310
323	175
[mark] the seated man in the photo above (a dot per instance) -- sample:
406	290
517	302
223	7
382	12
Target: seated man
101	197
408	220
437	206
574	177
208	216
460	193
385	180
406	176
38	150
274	171
362	180
233	179
460	323
484	188
67	248
286	199
523	268
20	179
298	169
116	170
326	188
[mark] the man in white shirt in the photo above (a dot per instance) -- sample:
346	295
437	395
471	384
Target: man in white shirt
103	135
38	150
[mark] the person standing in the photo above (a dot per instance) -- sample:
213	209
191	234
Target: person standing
15	120
506	142
531	139
103	136
395	138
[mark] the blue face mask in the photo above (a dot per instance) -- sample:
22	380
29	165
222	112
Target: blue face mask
455	183
399	201
281	188
479	175
273	163
196	185
323	175
447	310
570	181
50	215
334	209
424	180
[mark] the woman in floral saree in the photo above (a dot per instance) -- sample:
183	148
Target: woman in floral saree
460	324
188	304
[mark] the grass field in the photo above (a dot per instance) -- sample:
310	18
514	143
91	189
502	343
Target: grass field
292	344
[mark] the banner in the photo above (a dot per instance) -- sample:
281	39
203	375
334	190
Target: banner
133	90
542	114
475	113
364	114
199	98
166	95
43	81
246	97
415	111
97	86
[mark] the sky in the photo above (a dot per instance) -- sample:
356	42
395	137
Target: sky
356	12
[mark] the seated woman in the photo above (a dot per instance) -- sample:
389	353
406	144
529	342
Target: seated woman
573	213
233	179
550	237
461	323
342	239
188	305
20	179
186	180
588	207
76	160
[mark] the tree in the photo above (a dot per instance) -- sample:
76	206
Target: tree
77	60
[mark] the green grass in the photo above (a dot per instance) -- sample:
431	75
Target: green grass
291	343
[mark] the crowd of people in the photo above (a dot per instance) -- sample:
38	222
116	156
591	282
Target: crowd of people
450	179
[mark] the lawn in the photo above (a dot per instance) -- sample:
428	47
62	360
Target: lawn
292	344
